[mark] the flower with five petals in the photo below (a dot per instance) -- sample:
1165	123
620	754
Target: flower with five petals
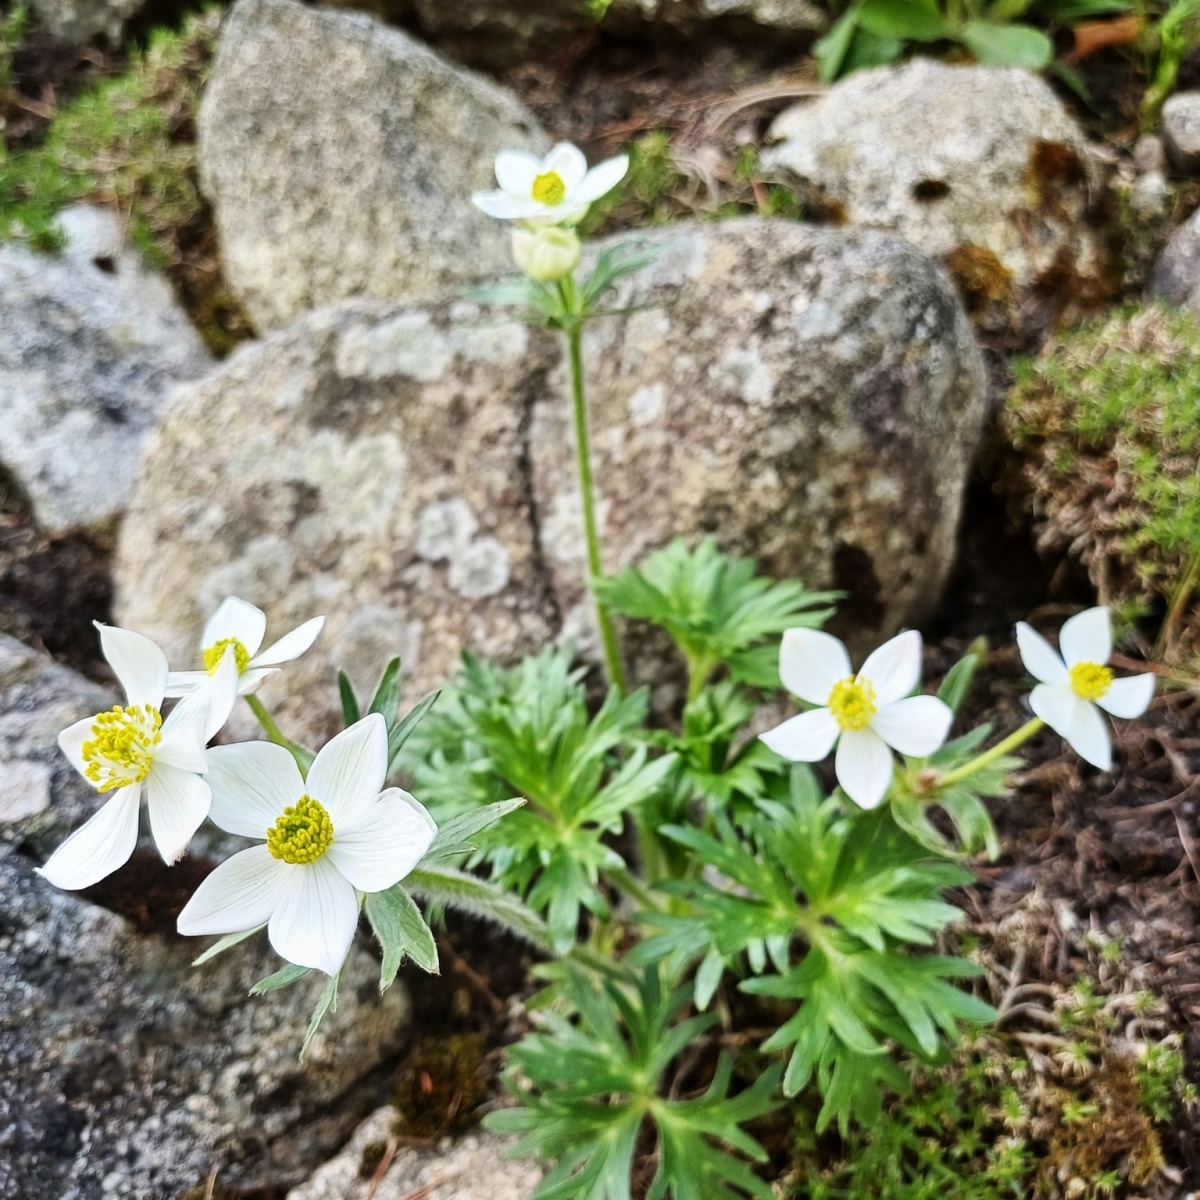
555	190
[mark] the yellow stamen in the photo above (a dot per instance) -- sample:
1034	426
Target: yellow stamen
852	703
549	188
216	652
302	834
121	748
1090	680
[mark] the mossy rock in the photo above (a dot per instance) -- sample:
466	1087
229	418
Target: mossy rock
1106	425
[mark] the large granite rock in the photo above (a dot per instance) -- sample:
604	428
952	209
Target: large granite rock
473	1168
90	343
982	168
812	397
1176	277
1181	132
340	156
79	21
123	1070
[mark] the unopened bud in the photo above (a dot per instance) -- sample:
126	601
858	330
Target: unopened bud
547	254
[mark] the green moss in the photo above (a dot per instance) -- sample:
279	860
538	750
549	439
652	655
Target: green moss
664	185
130	144
1107	424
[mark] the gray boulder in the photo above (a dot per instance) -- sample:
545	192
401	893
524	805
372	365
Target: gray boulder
340	157
812	397
90	344
79	21
1176	277
982	168
1181	132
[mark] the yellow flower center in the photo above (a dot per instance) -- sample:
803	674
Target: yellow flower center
216	652
852	703
302	834
549	188
121	748
1090	680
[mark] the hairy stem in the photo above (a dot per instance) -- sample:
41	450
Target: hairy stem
999	750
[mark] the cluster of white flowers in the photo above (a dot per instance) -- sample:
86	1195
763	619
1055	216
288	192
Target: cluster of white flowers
874	712
548	196
328	839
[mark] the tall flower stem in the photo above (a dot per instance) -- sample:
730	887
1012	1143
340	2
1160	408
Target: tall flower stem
302	754
608	636
999	750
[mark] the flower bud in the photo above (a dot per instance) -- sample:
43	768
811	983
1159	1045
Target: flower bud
547	254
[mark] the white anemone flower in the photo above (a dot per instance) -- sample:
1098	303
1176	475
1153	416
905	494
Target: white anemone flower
242	627
132	751
326	840
866	715
1074	686
555	190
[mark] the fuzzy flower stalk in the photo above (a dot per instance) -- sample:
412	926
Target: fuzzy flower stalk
547	197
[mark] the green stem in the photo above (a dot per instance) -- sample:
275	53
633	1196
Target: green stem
608	637
301	754
634	888
1179	598
999	750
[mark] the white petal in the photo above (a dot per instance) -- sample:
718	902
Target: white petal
600	180
916	726
220	695
516	171
894	668
568	163
349	770
315	921
183	733
139	665
1087	637
1041	660
240	894
177	802
806	738
252	783
508	208
381	849
250	680
864	767
1077	721
811	662
71	740
184	683
99	846
291	645
1129	697
236	618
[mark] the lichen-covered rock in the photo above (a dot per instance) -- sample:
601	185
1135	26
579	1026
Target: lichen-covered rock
1176	277
1104	426
79	21
812	398
124	1071
982	168
90	344
370	464
472	1168
1181	132
340	156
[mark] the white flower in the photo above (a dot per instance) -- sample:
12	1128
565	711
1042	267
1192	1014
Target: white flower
326	840
1071	686
866	715
548	254
241	626
555	190
130	750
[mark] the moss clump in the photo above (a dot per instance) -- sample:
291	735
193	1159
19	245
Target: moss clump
130	144
1107	425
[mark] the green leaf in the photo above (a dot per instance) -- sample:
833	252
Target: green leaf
402	932
400	733
903	20
219	947
350	709
282	978
1008	45
386	700
451	840
957	684
830	51
325	1005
